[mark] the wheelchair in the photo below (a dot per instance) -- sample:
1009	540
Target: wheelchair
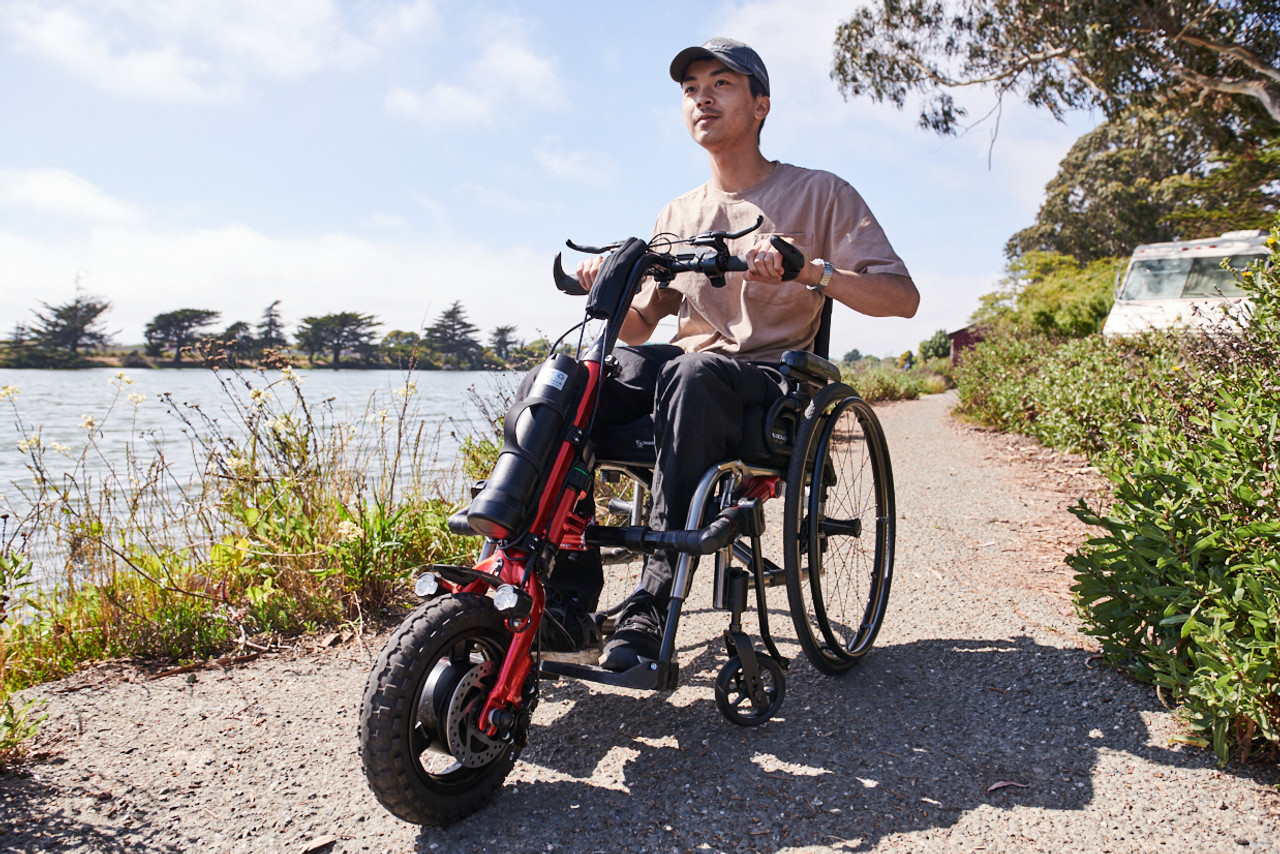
447	706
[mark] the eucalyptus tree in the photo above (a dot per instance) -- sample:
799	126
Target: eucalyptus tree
1061	55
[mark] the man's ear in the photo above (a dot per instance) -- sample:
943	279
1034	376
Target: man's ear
762	107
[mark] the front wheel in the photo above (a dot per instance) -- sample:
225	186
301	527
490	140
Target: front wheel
422	751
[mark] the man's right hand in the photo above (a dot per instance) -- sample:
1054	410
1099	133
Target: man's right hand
587	272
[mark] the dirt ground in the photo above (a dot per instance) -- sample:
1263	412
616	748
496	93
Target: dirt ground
979	723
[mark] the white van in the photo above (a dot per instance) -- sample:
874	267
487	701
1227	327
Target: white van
1178	284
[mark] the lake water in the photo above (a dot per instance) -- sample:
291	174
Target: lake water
129	413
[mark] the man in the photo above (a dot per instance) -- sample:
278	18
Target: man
727	338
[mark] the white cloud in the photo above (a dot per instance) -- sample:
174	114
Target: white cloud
238	270
593	168
505	76
201	49
58	192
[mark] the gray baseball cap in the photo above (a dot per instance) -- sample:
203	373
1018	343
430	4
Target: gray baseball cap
734	54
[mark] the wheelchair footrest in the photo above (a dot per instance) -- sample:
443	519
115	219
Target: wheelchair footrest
647	675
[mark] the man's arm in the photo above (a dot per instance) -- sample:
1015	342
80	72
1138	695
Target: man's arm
635	329
874	294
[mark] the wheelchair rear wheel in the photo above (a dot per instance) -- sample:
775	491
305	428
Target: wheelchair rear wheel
839	530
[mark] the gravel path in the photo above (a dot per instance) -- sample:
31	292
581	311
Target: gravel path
978	680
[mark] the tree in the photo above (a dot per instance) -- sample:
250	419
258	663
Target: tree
346	331
1063	54
452	336
854	355
1052	294
64	330
271	334
174	330
936	346
1147	177
402	347
309	341
502	340
238	341
19	351
1239	191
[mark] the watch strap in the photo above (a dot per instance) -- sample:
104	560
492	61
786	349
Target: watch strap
828	270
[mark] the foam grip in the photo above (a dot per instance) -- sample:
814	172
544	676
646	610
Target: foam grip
792	258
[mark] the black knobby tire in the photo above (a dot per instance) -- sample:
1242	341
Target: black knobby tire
403	746
839	529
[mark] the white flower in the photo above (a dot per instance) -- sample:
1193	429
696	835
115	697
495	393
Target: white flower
348	530
136	398
258	396
60	448
287	373
32	443
88	422
120	380
379	417
8	392
281	424
409	390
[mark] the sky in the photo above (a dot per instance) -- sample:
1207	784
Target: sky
393	157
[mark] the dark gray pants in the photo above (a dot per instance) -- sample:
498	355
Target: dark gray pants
697	400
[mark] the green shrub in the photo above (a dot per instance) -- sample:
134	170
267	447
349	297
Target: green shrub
1182	586
881	382
1183	590
1082	394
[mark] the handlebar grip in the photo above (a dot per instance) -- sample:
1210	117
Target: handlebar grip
566	283
792	258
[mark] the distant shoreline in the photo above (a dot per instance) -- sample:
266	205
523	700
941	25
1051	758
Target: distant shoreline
137	361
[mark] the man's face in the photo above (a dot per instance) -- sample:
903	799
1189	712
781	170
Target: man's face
719	109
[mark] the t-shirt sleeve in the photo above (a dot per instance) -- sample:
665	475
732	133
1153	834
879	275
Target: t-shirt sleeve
857	241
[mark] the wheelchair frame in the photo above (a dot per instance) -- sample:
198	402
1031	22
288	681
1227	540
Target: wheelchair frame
448	703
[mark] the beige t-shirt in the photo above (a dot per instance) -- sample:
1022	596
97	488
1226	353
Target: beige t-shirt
817	211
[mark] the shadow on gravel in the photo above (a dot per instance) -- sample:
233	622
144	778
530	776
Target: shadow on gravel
36	817
916	736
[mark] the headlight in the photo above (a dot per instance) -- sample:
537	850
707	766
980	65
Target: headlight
427	585
506	598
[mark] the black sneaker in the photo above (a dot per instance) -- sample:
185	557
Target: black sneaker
639	633
565	626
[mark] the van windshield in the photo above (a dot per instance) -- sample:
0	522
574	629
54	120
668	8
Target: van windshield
1185	278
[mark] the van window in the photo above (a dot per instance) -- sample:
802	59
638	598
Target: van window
1208	279
1185	278
1156	278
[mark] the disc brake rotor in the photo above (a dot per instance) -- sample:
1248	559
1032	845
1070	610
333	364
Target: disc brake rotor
467	743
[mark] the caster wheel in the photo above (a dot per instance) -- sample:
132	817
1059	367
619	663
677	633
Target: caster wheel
745	704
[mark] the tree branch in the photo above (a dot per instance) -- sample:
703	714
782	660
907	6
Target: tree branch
1257	89
1235	51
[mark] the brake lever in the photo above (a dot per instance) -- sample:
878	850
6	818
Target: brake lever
593	250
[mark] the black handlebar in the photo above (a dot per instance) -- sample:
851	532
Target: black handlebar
713	265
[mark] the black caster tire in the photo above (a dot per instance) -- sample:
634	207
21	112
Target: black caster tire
733	694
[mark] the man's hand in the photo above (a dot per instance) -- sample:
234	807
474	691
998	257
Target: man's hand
587	272
764	264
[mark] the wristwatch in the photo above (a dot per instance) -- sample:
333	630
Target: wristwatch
828	270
